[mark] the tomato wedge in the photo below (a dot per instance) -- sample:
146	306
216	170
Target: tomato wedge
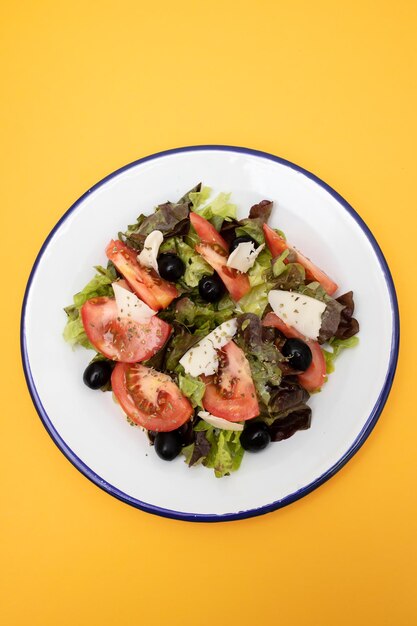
149	398
235	282
277	245
145	282
121	339
231	393
314	377
207	232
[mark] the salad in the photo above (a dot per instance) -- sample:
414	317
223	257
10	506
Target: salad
211	332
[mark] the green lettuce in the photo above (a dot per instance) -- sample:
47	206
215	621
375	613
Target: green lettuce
195	266
278	266
98	286
337	345
263	356
171	218
168	245
74	332
224	454
195	314
181	341
291	279
218	210
193	388
199	197
257	273
251	227
256	300
315	290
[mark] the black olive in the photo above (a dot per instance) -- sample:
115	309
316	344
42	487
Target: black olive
243	239
186	433
211	288
298	354
170	266
255	437
97	374
168	445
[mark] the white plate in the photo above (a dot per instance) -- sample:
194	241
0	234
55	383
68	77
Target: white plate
88	427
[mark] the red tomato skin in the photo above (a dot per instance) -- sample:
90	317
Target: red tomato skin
243	404
277	245
171	409
315	376
207	232
121	339
145	282
235	282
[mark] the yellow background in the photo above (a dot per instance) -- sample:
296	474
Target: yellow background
89	86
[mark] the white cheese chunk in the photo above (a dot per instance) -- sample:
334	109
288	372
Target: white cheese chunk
149	255
301	312
202	358
244	256
129	306
219	422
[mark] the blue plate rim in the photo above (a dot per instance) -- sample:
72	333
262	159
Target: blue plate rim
360	439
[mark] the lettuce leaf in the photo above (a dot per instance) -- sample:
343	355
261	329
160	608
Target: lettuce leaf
74	332
216	449
218	210
177	346
195	266
348	326
278	266
198	450
198	198
195	314
298	418
337	318
257	273
315	290
337	345
226	453
262	210
263	356
168	245
171	218
251	227
98	286
256	300
193	388
291	279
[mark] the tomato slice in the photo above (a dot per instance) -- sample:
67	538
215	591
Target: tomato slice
149	398
314	377
207	232
231	393
145	282
121	339
277	245
235	282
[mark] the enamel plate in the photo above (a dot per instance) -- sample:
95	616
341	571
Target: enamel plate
88	426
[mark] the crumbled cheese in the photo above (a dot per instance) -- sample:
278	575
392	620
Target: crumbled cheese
287	305
149	255
202	358
129	306
244	256
219	422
